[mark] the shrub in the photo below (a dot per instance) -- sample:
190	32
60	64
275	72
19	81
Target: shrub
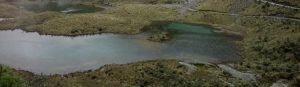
258	67
100	29
168	2
257	47
8	80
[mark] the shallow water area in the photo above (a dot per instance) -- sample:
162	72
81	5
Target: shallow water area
60	7
60	55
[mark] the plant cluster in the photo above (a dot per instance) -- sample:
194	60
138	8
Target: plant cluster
7	79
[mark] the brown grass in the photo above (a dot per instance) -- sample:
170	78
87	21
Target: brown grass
9	11
116	20
263	36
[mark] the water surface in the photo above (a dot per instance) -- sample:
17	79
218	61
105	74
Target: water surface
58	54
64	8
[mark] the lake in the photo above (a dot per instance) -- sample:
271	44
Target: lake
61	55
58	7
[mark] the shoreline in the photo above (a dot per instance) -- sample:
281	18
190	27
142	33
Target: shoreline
109	71
263	37
190	61
213	26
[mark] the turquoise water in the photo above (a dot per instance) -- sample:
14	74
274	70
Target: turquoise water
64	8
188	28
60	55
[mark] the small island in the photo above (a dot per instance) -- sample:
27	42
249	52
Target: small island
261	49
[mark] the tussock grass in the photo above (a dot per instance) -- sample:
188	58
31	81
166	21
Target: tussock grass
268	9
9	11
268	44
246	7
124	19
149	13
219	6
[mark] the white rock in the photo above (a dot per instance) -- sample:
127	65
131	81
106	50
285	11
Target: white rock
1	19
279	83
238	74
188	67
103	68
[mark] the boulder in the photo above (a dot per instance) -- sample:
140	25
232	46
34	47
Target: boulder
238	74
188	67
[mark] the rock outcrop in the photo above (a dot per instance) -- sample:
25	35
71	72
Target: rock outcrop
238	74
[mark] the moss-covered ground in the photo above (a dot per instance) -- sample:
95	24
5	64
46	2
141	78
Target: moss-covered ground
270	47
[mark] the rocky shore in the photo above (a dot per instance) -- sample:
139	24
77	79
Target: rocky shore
152	73
270	47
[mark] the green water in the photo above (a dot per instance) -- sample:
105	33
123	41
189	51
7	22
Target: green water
188	28
58	54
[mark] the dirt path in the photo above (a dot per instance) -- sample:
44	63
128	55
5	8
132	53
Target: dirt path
182	9
273	3
233	14
187	5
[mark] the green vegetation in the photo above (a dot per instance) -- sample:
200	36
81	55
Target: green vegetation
130	1
167	77
7	79
9	11
270	47
39	79
276	62
160	36
113	21
295	3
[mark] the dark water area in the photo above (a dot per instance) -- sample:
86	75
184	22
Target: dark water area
60	55
64	8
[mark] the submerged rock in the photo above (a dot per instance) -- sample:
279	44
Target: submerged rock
158	37
238	74
188	67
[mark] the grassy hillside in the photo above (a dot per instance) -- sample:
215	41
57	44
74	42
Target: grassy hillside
9	11
247	7
270	47
126	1
295	3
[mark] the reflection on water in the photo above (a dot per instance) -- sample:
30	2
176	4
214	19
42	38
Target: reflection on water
65	8
68	10
58	54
